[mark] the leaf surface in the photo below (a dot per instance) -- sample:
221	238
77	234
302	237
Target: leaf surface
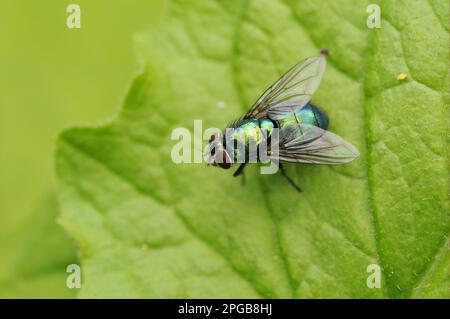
148	227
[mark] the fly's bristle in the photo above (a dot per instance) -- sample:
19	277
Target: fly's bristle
234	123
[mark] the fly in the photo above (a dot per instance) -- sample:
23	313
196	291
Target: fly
285	106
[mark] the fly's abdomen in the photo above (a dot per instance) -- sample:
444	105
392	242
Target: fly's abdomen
309	114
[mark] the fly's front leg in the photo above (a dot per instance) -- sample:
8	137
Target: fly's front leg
283	172
240	171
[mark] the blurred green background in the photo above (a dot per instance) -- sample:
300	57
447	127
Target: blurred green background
50	77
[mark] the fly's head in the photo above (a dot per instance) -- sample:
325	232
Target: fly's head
217	153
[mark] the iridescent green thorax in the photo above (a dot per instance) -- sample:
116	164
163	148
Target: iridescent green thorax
309	114
248	132
250	129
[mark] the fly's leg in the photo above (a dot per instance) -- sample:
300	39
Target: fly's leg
283	172
240	171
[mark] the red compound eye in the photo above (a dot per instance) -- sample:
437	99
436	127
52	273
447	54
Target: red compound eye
223	159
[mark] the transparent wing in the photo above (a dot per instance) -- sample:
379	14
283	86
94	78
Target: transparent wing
302	143
292	91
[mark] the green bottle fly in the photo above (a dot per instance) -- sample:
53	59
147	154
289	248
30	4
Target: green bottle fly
302	126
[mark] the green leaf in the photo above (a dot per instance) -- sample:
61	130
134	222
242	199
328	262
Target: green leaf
49	78
150	228
35	253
